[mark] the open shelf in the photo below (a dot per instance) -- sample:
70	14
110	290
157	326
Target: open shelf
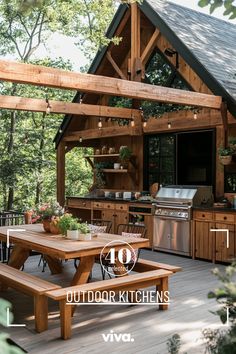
112	170
101	156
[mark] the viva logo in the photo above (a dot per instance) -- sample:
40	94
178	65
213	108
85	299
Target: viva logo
117	337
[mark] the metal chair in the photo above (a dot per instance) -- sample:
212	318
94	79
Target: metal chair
130	229
98	222
9	218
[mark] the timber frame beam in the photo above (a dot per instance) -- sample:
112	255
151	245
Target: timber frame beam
58	78
39	105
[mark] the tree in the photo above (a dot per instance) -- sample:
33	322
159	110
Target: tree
229	6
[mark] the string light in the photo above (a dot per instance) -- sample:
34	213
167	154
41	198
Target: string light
195	115
80	139
60	131
80	99
48	108
132	123
100	123
169	125
144	123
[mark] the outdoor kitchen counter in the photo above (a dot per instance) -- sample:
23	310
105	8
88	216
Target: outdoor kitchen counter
116	210
214	234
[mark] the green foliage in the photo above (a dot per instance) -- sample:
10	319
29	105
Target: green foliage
83	228
125	153
229	6
6	348
64	223
73	225
174	344
225	151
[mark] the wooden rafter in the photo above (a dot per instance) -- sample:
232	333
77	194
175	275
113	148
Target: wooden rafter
51	77
103	133
39	105
149	47
115	66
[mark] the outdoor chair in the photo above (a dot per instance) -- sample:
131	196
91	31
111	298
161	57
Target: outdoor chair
128	230
9	218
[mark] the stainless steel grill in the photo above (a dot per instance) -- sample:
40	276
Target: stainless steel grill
173	213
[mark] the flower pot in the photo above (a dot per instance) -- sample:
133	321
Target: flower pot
54	229
116	166
28	217
85	237
72	234
226	160
46	225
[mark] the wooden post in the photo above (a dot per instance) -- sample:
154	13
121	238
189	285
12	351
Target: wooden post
136	64
220	141
224	115
61	173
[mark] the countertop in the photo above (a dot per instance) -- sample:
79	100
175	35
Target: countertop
112	199
226	210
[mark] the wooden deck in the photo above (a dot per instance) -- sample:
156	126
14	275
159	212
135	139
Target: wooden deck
188	314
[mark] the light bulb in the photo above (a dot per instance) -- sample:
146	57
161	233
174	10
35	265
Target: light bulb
132	123
80	139
48	109
195	115
169	125
144	123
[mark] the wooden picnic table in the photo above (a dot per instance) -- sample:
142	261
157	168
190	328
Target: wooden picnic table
57	247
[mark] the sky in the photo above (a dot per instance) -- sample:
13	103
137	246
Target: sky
63	46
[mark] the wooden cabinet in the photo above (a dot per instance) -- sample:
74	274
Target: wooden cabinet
212	245
224	253
204	240
116	213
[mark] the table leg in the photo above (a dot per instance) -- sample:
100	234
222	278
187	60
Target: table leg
18	257
82	273
54	264
84	269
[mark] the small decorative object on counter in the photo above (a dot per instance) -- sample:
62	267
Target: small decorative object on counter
225	155
84	232
137	195
104	150
97	152
116	166
111	150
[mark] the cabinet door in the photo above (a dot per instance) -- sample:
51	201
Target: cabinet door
224	253
109	215
121	217
148	221
204	240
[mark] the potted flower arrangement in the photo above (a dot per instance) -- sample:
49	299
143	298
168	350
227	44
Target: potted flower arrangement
47	210
225	155
54	228
72	232
84	232
64	223
125	154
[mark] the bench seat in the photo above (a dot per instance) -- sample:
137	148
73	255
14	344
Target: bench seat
157	277
144	265
29	285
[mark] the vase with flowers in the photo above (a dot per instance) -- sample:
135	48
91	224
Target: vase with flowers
54	228
47	210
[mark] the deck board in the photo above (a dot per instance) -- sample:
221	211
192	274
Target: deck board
188	314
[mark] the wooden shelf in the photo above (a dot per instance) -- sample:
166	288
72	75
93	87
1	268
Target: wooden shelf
101	156
112	170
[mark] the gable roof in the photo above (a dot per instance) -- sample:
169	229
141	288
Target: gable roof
206	43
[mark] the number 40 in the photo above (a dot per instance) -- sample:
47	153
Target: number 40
124	256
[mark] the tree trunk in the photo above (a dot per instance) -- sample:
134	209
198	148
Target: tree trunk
10	150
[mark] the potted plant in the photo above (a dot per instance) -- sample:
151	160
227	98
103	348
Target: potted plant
47	210
225	155
54	228
84	232
64	223
72	232
125	154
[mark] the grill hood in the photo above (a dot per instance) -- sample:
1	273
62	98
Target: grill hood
190	195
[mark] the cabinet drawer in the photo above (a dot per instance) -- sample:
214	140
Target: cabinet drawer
110	206
224	217
122	207
79	203
98	205
202	215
